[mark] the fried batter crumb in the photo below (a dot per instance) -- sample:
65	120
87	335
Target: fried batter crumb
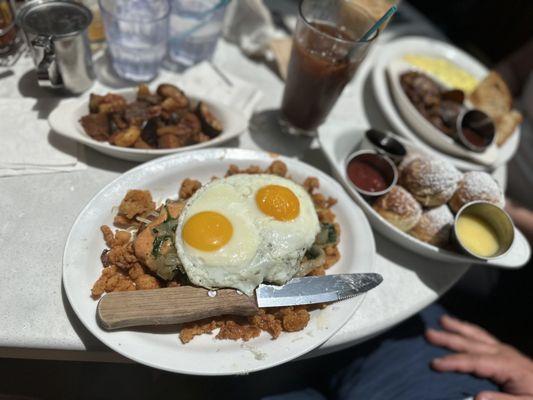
332	256
267	322
188	188
187	333
294	319
136	202
234	331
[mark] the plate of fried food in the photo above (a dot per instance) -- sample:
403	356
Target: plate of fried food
423	202
445	101
149	230
139	124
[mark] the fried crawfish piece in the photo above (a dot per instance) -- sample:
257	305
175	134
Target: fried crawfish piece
136	203
111	280
188	188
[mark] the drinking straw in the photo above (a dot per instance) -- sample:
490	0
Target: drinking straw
391	11
204	18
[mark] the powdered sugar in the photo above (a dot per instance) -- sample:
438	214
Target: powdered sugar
477	185
436	173
400	201
437	218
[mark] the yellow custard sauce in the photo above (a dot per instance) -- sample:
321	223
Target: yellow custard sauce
477	235
445	71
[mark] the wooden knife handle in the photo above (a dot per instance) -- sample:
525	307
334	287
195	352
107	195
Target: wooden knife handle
166	306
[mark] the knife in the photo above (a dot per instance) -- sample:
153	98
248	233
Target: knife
182	304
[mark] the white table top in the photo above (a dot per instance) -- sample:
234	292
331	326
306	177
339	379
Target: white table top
38	211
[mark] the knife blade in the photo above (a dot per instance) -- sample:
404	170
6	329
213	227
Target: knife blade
182	304
316	289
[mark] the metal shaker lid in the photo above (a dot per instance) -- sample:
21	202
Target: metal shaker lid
58	18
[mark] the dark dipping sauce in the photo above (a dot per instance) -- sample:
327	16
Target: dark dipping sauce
366	176
474	137
316	76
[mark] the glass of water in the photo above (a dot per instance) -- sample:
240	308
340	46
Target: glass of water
195	26
137	33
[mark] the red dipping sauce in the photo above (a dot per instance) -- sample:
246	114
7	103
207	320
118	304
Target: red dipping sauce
366	176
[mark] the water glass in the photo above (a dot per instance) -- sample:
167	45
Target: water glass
137	32
195	26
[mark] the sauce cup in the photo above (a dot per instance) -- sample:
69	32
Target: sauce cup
489	217
385	144
370	173
475	130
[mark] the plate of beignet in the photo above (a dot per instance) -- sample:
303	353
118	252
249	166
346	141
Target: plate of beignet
418	213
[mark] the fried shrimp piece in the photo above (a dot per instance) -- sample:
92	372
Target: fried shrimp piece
136	202
277	168
109	237
332	256
111	280
136	271
145	282
119	238
188	188
320	201
119	283
311	183
122	238
121	221
325	215
122	256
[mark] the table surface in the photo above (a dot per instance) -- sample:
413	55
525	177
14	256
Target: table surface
38	211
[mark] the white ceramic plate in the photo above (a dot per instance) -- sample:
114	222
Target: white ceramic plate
65	121
396	49
339	141
205	355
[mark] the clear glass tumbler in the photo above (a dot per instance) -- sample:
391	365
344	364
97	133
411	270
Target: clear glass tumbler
137	32
325	55
195	26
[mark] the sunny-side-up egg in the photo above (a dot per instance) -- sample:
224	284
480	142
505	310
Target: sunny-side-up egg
245	229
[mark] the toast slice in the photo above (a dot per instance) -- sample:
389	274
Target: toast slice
492	96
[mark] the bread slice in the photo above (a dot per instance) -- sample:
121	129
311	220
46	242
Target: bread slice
492	96
506	124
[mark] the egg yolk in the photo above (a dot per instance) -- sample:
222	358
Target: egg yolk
278	202
207	231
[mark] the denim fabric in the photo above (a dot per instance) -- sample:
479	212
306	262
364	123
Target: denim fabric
396	366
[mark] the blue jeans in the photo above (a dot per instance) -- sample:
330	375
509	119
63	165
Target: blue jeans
394	366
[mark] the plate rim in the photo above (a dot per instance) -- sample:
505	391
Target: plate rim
388	107
218	153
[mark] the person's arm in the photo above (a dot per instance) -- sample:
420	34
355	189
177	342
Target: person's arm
522	217
481	354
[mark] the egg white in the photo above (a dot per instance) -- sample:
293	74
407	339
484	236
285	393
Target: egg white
261	248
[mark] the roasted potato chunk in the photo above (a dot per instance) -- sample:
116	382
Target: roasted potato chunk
127	137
